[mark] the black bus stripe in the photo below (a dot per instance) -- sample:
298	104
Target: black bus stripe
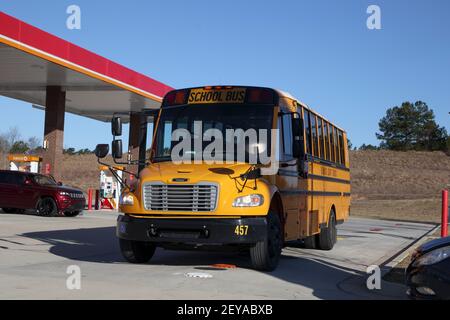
288	173
327	163
315	193
330	179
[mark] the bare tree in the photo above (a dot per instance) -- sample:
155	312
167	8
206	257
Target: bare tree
4	145
13	135
33	143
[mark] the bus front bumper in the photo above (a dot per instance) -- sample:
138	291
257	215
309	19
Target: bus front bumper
208	231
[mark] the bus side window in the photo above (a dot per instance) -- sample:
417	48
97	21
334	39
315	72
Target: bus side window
336	145
307	131
315	141
341	147
332	145
326	138
321	139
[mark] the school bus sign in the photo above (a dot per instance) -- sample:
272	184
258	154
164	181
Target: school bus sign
204	96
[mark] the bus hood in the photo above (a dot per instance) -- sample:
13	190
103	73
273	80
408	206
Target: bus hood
168	172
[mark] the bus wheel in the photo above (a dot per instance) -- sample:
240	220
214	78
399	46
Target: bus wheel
328	235
137	251
310	242
266	254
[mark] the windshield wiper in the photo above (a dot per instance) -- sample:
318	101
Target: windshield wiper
161	159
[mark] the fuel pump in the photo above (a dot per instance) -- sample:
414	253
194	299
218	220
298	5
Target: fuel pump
110	188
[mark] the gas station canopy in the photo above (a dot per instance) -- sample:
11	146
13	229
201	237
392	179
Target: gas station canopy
32	60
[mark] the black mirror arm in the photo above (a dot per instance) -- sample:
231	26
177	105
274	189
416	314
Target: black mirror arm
113	171
285	165
118	178
245	177
132	162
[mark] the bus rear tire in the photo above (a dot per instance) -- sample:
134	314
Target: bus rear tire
310	242
137	251
328	235
265	255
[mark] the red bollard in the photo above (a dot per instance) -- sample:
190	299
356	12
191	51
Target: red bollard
444	226
90	199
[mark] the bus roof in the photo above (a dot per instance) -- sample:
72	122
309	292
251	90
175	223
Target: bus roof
289	96
172	97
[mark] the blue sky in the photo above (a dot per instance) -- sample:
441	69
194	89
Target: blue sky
320	51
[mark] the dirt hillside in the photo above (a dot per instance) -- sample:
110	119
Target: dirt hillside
393	175
399	185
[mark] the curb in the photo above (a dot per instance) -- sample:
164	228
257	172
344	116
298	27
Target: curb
388	265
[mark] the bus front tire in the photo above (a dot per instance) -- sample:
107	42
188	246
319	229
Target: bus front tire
328	235
137	251
265	255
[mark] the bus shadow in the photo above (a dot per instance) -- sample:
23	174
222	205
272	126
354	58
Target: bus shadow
86	244
326	279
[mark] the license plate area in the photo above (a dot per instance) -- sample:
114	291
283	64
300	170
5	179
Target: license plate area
185	234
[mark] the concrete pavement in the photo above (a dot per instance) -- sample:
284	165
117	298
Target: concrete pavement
36	251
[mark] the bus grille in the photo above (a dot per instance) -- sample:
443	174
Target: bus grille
175	197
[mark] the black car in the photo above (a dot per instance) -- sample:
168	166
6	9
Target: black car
428	275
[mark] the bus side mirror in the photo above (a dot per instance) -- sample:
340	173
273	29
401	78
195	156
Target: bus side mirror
297	127
297	149
101	150
117	149
116	126
297	131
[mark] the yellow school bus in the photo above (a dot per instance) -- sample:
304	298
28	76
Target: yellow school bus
300	194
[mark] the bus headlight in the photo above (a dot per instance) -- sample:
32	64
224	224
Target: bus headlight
126	200
252	200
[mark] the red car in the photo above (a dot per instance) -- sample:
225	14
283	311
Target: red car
22	190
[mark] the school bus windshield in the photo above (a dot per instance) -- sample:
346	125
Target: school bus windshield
224	118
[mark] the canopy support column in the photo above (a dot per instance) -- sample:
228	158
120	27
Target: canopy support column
55	106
